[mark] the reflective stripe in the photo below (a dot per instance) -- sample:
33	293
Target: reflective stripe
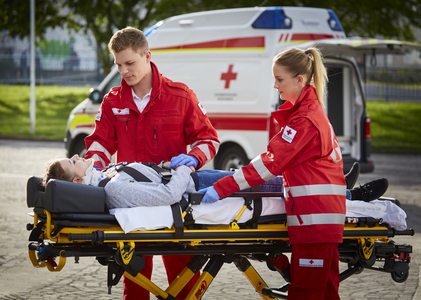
96	157
260	168
316	219
205	149
316	189
95	146
240	179
215	144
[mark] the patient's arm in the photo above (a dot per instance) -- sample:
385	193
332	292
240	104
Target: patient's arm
168	163
131	193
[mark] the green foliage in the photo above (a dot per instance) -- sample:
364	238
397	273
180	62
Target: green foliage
395	126
15	17
53	106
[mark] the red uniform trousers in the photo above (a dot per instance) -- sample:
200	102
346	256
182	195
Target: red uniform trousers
314	272
174	264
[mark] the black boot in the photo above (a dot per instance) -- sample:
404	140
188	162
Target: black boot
352	176
371	190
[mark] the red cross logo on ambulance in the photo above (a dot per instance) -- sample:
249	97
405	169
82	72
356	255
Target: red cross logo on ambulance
228	76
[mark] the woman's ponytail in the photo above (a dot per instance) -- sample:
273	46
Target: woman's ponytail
319	72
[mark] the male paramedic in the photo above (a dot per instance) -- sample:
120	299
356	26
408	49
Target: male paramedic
149	118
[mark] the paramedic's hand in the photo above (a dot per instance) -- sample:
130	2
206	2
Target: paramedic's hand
211	195
183	159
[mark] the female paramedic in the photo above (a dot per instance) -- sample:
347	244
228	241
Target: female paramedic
307	154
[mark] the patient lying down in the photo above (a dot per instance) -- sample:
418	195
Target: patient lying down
123	192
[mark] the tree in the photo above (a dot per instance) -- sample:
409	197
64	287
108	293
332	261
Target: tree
386	18
14	16
104	17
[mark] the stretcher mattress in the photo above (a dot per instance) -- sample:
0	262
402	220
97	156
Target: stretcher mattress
68	197
223	212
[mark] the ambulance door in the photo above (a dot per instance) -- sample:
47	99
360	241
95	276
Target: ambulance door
346	99
345	108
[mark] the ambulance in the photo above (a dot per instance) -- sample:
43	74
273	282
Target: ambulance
225	56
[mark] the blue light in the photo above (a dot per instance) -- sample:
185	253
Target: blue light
273	18
150	29
334	22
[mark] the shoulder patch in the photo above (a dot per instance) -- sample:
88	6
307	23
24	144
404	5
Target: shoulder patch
98	115
288	134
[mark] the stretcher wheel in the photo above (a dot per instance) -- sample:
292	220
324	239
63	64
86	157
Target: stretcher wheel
399	277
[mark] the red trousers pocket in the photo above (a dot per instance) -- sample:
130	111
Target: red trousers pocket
314	272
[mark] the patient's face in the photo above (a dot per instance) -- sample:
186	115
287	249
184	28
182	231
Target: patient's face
76	165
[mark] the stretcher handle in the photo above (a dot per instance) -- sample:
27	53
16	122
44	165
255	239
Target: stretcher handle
96	236
409	231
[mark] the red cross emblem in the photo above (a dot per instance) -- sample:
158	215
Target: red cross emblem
228	76
311	262
289	132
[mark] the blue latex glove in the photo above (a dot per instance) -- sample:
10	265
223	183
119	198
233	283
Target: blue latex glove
183	159
211	195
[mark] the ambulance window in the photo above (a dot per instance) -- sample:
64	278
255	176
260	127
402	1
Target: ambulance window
116	81
273	18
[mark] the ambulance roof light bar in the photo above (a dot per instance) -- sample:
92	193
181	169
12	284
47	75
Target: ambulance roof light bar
273	18
334	22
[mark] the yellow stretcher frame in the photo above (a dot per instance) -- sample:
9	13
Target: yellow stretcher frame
231	241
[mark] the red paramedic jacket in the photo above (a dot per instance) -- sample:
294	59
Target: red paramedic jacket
173	119
308	155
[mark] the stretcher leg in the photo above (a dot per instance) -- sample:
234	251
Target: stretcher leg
251	274
211	270
149	285
194	266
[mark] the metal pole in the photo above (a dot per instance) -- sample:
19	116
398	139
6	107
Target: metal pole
32	96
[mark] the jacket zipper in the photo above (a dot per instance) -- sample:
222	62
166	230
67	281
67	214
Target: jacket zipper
155	140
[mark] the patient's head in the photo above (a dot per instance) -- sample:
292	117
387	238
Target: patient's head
68	169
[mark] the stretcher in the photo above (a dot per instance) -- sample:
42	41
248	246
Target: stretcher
71	221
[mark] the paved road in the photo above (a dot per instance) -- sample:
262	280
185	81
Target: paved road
87	280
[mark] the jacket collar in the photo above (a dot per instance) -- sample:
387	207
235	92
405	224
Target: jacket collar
126	96
306	98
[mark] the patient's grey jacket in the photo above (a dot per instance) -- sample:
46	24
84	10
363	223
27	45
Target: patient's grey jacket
124	191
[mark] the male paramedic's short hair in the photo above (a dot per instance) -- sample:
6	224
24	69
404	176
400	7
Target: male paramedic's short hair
54	170
128	37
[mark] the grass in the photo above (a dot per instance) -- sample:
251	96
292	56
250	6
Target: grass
53	105
395	126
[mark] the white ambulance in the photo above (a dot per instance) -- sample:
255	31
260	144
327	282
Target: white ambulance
225	56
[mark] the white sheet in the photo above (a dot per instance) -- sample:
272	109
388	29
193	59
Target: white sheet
224	212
